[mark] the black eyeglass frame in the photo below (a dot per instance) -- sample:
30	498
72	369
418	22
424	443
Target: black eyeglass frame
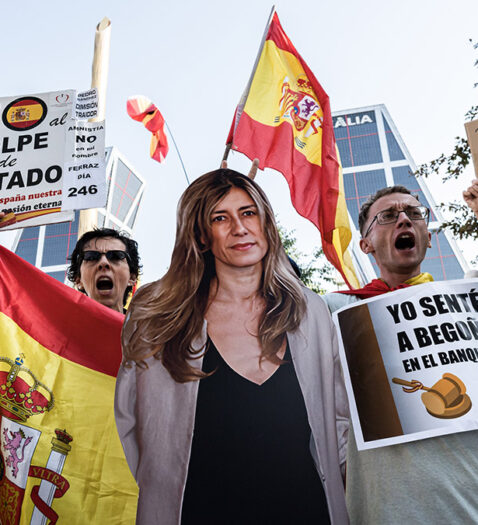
423	209
111	255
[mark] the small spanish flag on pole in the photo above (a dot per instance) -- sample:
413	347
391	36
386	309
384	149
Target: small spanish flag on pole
284	120
143	110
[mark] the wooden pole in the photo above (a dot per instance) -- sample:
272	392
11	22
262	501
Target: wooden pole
99	79
226	152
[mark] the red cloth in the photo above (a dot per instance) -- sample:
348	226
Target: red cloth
294	135
373	288
143	110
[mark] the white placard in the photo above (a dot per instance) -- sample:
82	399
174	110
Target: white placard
85	141
40	138
86	105
32	152
84	182
84	185
410	361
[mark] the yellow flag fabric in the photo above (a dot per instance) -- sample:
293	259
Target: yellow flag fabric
421	278
285	121
61	458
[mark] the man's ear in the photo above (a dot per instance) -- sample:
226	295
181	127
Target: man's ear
132	279
429	245
79	284
366	246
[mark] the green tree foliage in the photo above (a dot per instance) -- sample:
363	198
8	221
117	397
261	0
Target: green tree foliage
463	223
316	271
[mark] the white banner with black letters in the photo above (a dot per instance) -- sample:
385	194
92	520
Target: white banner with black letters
410	361
36	146
84	182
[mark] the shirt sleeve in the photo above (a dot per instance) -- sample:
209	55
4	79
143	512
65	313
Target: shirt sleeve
125	414
341	405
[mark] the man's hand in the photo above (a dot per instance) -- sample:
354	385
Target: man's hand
470	196
252	172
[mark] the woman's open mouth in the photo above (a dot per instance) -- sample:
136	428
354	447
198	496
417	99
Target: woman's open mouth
104	284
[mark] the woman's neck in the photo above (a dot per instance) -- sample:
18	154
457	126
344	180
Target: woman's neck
233	284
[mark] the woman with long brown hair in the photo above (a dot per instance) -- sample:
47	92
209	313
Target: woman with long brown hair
230	402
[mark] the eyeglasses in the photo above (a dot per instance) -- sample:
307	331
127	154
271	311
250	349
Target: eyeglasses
415	213
114	256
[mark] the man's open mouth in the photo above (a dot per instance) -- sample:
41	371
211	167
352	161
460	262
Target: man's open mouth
405	241
104	283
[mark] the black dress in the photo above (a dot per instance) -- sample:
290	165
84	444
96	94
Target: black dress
250	460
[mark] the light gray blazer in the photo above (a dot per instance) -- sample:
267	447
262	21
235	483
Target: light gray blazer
155	419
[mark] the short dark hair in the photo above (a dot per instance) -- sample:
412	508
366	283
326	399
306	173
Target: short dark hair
73	271
365	209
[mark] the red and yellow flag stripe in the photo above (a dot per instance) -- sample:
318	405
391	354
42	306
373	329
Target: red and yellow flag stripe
286	123
66	349
143	110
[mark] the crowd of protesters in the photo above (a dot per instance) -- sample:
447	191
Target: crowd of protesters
230	401
233	365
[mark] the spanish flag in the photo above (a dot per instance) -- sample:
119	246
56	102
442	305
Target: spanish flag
284	120
141	109
60	454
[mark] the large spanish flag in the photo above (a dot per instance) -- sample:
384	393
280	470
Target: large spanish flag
284	120
60	456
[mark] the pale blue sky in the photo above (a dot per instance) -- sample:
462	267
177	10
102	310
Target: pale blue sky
193	60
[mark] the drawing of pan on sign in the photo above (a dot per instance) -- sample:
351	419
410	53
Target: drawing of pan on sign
410	361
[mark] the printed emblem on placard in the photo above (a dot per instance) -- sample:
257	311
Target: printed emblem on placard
24	113
446	399
62	98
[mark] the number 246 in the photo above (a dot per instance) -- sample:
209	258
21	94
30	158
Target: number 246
84	190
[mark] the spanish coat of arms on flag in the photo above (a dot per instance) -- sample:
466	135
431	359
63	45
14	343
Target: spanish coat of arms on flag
60	455
284	120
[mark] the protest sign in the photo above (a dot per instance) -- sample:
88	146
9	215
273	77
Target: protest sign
86	106
410	361
84	182
33	151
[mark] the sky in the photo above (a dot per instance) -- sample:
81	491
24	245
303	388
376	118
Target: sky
193	60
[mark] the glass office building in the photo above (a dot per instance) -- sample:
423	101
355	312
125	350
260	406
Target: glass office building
48	247
374	156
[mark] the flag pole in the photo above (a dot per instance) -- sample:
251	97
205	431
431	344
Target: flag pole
226	151
245	94
99	78
177	151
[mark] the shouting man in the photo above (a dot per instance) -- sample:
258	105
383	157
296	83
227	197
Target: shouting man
429	481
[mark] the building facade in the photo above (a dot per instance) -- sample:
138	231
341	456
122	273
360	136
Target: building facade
373	156
48	247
